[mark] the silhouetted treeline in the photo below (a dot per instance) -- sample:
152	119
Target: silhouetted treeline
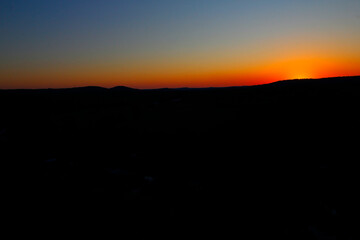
271	160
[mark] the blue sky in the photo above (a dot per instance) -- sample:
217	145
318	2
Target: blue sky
121	36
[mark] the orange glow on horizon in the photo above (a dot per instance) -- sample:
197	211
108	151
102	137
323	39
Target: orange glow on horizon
231	75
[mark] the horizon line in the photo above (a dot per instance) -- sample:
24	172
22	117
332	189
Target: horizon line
184	87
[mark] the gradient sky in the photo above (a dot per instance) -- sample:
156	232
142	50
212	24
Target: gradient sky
175	43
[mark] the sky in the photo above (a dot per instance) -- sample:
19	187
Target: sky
175	43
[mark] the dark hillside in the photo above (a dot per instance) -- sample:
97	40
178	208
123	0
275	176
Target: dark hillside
281	158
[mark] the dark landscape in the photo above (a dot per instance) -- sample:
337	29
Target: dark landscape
277	160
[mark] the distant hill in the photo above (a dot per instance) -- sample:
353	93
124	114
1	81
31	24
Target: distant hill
321	81
123	89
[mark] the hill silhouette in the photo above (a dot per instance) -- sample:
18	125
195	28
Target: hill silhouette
276	155
122	89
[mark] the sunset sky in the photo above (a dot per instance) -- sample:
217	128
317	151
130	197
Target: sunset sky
175	43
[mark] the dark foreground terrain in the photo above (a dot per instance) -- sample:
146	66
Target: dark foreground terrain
271	161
